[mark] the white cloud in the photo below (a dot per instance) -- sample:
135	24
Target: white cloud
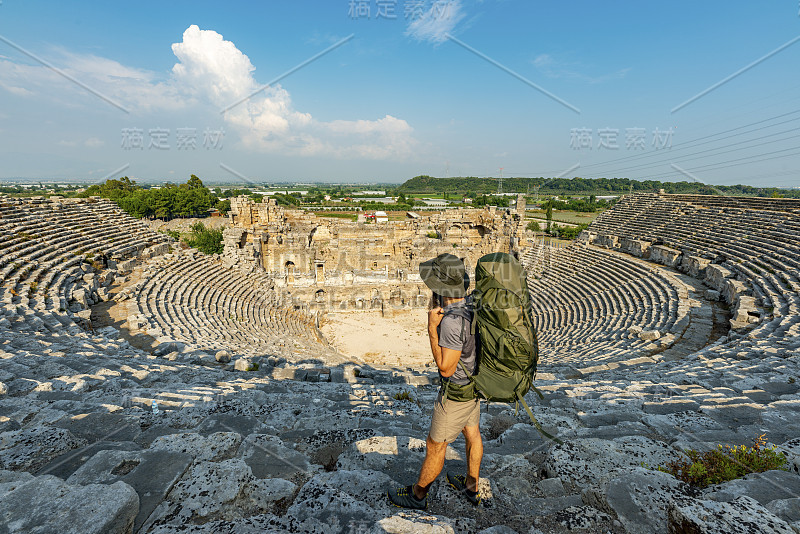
553	68
542	61
211	73
215	69
134	89
93	142
438	21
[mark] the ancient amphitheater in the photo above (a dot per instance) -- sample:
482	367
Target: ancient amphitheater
149	388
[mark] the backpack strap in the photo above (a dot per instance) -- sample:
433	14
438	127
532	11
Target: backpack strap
541	430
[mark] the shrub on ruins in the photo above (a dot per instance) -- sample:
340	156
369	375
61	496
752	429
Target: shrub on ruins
726	463
570	232
174	234
206	240
405	396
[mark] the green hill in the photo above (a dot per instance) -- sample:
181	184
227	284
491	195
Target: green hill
587	186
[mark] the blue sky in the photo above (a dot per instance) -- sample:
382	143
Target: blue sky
426	92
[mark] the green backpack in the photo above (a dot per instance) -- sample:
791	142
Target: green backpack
503	318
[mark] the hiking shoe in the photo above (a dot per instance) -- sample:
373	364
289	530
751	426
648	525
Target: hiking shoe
459	482
404	498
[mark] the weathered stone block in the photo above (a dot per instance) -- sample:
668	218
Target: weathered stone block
741	516
641	499
744	305
48	504
649	335
716	276
694	265
665	255
609	241
733	289
635	247
151	474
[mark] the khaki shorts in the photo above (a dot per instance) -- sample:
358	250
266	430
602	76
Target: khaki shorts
450	417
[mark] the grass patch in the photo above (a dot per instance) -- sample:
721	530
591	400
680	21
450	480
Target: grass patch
338	215
433	235
565	216
403	396
726	463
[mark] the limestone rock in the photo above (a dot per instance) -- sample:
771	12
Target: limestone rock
10	480
712	294
268	457
763	487
641	498
649	335
80	296
411	523
498	529
791	449
716	276
347	495
48	504
551	487
743	515
223	356
590	462
265	493
208	490
670	406
166	347
395	455
583	517
152	474
786	509
243	364
30	448
215	447
665	255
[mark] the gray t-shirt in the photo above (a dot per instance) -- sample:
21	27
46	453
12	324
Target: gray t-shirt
455	332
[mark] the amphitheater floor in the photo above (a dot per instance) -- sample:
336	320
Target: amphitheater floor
367	336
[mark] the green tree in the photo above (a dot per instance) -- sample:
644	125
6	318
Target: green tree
194	182
224	206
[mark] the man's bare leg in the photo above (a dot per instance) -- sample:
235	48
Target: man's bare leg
431	467
474	455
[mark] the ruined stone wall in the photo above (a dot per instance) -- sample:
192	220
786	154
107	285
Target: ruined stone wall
302	250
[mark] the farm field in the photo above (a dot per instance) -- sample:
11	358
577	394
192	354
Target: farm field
572	217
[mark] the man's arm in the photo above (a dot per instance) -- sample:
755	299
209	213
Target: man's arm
446	359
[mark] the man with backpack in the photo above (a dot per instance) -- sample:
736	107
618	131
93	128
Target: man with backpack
498	364
457	409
